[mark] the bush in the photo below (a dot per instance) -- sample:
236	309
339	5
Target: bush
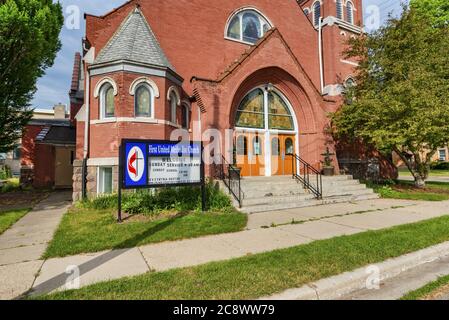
10	185
5	173
439	166
181	199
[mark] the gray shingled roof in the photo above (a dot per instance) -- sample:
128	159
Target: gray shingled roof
134	41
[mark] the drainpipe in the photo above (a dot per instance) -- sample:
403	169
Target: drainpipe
320	53
86	135
88	59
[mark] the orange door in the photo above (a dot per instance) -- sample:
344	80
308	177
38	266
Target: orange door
287	152
241	154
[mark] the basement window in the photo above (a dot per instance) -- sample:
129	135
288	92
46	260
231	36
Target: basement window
105	180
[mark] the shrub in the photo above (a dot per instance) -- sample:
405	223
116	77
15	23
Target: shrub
154	201
10	185
439	166
5	173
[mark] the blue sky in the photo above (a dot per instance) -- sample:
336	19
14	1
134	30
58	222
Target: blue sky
54	86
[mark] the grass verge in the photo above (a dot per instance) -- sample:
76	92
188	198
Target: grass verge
264	274
88	230
428	290
434	191
8	218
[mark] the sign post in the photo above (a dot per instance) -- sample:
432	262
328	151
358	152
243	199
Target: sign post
145	164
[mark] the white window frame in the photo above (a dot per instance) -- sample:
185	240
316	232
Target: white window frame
99	92
150	90
314	18
339	8
240	12
439	155
350	19
100	180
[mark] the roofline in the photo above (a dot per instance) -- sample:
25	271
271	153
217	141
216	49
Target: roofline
110	12
148	65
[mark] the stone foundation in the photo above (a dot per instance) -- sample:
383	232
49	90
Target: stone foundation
92	176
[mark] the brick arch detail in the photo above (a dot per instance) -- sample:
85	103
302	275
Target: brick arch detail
288	85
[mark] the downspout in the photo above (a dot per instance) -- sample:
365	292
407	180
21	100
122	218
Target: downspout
320	53
88	59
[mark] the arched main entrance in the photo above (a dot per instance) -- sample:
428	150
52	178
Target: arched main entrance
265	133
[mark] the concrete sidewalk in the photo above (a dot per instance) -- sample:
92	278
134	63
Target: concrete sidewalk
23	244
334	220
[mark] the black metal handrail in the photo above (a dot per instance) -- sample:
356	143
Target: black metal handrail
231	178
302	171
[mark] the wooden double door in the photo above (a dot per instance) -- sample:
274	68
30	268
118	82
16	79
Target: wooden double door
261	154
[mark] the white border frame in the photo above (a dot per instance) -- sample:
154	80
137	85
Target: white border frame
239	11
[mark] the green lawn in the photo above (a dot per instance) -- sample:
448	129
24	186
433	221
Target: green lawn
268	273
8	218
435	173
434	191
427	290
85	230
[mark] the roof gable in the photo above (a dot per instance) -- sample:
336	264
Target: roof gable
134	41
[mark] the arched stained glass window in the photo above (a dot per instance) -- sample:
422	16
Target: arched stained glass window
143	102
107	101
279	116
247	26
250	113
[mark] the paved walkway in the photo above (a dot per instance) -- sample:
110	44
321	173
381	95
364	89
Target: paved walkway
333	220
430	179
23	244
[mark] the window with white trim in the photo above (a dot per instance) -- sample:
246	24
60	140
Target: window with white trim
143	101
247	26
316	13
350	12
339	5
104	180
442	154
107	104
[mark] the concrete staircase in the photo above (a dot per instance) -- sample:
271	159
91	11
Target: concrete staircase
261	194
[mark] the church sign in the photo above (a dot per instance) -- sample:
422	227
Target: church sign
160	164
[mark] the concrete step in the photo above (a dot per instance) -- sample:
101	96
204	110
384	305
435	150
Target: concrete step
306	203
277	199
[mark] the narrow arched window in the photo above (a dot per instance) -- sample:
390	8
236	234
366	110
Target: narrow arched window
339	5
173	105
350	12
185	116
306	12
257	146
107	106
316	13
247	26
143	101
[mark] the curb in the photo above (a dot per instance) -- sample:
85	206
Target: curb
338	286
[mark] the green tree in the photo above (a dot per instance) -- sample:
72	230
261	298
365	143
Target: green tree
400	102
435	10
29	41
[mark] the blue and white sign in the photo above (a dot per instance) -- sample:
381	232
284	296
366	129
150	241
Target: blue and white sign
151	164
136	164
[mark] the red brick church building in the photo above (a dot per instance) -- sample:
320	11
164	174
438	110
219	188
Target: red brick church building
269	70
